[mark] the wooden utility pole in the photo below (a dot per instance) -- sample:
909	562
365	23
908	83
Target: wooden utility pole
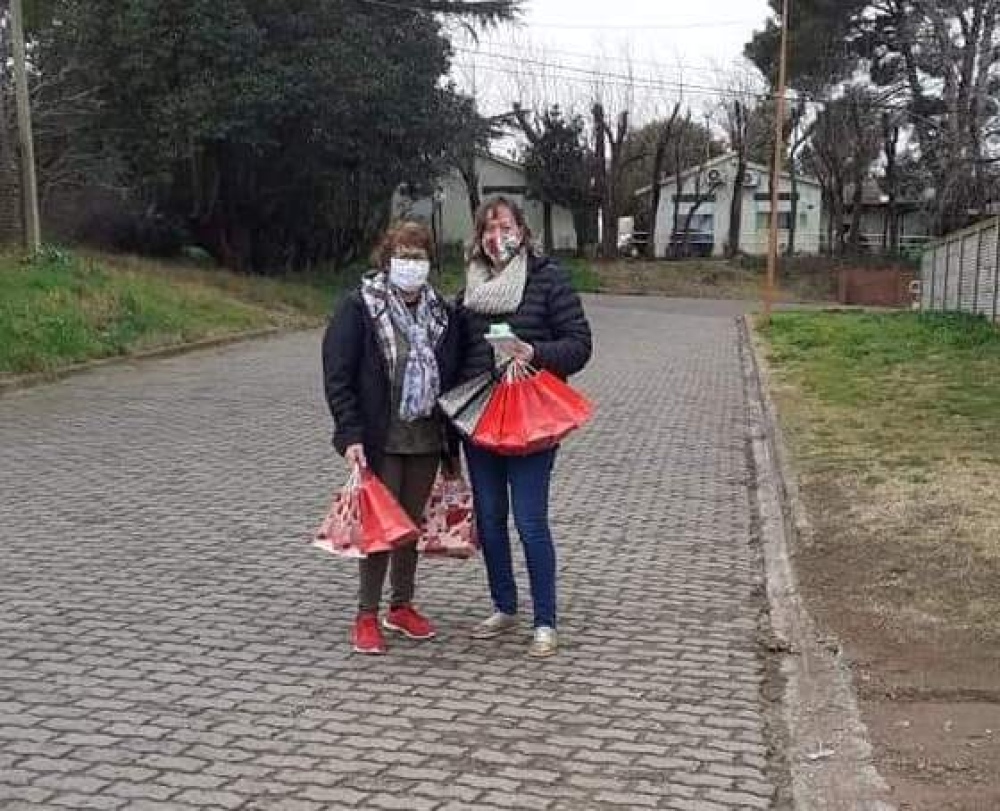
779	148
29	182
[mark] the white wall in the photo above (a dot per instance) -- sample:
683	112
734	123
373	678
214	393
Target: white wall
457	218
754	216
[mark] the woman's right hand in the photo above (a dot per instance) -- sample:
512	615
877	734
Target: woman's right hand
355	455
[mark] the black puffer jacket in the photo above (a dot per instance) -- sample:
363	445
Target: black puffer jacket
356	378
550	318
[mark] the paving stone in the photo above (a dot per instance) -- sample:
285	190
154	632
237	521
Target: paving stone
173	642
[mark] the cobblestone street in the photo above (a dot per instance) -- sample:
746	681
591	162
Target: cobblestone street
170	640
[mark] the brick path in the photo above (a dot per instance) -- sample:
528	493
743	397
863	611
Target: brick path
169	640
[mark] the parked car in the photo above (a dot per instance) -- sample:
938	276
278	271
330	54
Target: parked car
685	244
633	244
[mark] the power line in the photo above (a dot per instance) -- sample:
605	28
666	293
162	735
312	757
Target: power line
626	84
577	74
611	77
680	66
644	26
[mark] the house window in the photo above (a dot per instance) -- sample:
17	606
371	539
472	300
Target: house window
703	222
784	221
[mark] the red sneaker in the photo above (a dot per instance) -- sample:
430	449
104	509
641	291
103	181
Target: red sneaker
409	622
366	636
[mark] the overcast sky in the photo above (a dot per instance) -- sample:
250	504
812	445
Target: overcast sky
665	44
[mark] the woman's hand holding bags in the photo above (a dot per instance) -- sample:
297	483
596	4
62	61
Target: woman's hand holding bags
364	519
529	411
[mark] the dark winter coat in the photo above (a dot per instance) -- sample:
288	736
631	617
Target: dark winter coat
357	380
550	318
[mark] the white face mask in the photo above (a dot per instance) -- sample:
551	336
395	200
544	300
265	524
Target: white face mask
408	275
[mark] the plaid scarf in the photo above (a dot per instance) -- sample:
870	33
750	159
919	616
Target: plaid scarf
423	328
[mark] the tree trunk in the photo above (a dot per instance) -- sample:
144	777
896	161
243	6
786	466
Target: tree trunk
736	207
547	238
659	158
583	225
610	217
831	223
891	135
654	208
793	225
673	248
859	196
738	136
471	179
601	172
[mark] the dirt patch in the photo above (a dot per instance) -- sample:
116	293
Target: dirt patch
905	572
893	427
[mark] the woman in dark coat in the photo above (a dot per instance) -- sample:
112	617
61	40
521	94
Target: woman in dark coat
506	282
389	351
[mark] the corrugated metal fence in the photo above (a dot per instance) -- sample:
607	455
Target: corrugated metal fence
962	271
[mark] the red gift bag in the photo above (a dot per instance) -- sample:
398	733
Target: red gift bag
384	523
529	412
364	519
558	393
340	532
448	528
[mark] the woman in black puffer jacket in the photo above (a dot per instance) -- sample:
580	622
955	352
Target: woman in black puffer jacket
507	283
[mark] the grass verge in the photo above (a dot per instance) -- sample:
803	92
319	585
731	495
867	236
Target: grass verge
63	308
893	424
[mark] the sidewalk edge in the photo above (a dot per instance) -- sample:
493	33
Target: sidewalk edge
829	755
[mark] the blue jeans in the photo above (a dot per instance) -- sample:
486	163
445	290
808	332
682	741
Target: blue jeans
522	481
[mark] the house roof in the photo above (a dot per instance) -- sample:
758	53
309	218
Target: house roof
721	160
508	162
873	196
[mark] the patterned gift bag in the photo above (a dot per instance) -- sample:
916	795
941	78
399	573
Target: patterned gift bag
448	528
340	533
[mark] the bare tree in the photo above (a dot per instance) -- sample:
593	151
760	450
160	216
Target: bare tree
610	143
844	144
667	133
739	114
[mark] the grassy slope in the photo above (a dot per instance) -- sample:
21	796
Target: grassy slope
64	308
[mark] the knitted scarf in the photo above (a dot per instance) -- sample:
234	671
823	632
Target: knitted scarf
491	293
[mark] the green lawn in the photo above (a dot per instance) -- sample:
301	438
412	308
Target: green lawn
893	425
914	387
64	308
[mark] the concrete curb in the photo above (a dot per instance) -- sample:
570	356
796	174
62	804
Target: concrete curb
828	753
39	378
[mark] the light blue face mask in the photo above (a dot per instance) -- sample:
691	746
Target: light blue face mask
408	275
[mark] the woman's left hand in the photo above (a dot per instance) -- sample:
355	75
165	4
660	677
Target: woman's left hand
520	350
